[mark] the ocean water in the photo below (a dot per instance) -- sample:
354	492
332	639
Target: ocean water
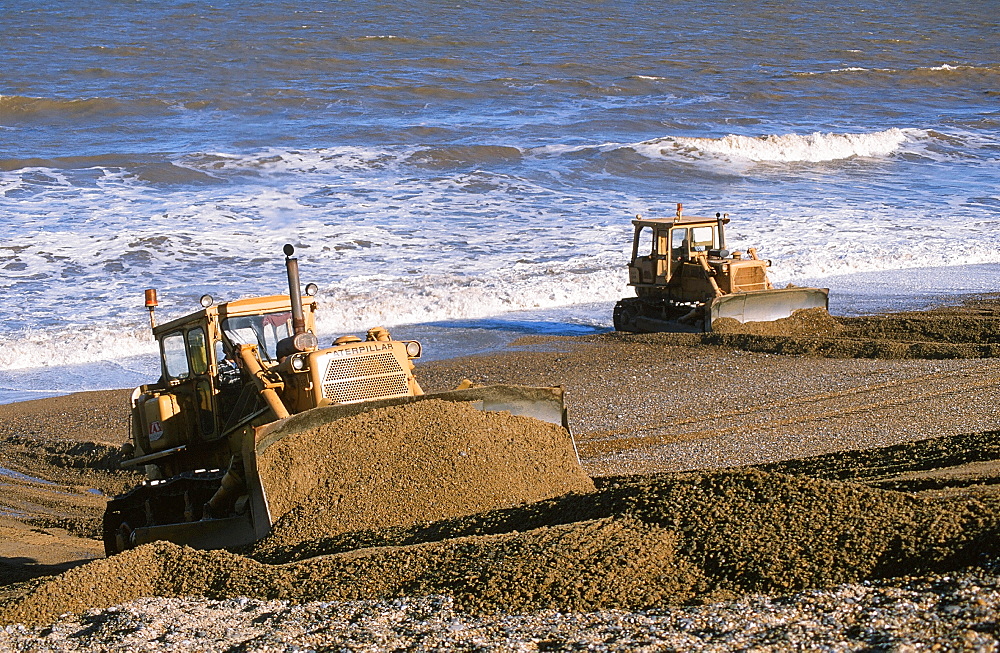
465	171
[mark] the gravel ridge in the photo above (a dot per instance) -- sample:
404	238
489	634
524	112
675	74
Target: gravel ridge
943	612
915	493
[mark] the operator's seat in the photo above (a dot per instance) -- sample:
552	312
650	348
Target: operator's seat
681	253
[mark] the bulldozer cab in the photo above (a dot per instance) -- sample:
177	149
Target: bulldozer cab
670	244
201	387
187	344
687	241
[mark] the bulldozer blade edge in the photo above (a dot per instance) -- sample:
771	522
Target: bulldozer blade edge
541	403
207	534
766	305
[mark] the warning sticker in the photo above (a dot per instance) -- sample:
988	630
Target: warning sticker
155	431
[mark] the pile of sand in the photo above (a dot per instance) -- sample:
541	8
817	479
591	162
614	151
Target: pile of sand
805	322
635	543
417	462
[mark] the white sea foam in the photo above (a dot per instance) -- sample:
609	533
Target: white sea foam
958	67
390	243
901	71
275	161
846	69
59	346
396	301
789	148
815	246
355	304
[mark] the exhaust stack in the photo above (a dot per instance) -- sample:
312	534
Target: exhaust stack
294	291
300	340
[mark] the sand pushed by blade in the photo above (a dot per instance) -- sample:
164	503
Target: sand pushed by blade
418	460
766	305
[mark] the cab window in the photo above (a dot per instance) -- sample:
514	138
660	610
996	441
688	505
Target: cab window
276	326
175	360
262	330
643	243
679	243
198	351
703	237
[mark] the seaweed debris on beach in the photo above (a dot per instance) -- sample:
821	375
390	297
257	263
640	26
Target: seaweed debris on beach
968	330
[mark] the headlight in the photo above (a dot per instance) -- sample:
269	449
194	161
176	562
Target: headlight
298	363
413	349
305	341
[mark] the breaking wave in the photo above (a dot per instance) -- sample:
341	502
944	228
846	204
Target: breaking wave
811	148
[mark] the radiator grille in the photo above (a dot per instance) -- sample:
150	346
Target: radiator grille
364	377
346	368
749	278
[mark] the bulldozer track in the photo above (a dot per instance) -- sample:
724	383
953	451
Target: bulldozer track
903	391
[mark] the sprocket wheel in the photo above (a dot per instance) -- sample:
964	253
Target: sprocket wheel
118	534
626	310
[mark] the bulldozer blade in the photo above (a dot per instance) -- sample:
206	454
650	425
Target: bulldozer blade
765	305
205	534
541	403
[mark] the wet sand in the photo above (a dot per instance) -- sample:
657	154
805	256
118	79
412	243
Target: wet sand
862	469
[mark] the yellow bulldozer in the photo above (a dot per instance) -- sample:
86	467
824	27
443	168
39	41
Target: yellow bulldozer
686	279
234	378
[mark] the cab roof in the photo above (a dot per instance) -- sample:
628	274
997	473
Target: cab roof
681	221
247	306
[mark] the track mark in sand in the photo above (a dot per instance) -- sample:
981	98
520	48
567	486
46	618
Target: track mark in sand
861	399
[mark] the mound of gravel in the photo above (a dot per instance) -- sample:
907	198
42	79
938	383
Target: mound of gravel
635	543
971	330
96	416
418	462
977	321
